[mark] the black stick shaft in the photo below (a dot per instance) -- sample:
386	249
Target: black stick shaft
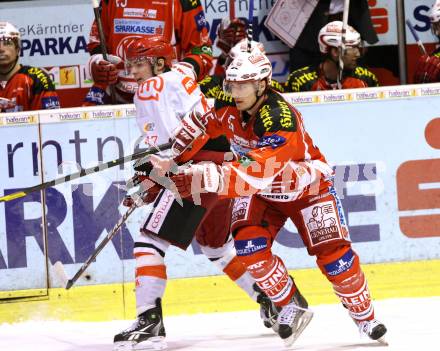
103	46
101	245
85	172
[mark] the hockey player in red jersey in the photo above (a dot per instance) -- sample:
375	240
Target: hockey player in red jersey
22	88
278	173
428	66
164	97
325	75
180	22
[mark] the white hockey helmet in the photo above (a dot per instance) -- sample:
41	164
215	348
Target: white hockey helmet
246	67
9	32
242	46
434	13
331	36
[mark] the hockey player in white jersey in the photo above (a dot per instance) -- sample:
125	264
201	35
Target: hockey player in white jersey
163	100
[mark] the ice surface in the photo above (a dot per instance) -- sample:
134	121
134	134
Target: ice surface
412	325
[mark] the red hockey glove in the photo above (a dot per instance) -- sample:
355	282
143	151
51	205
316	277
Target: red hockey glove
202	177
104	72
150	189
427	69
230	33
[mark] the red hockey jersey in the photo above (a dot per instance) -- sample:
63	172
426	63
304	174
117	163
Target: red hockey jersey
29	89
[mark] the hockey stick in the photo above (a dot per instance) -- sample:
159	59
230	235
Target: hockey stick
95	4
58	266
231	9
416	37
343	37
86	171
250	25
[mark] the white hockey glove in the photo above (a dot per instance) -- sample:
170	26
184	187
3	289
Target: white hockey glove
191	128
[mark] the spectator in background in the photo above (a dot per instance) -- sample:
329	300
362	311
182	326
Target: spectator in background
22	88
307	52
181	23
428	66
231	40
324	75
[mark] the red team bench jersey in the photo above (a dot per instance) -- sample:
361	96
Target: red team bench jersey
28	89
180	22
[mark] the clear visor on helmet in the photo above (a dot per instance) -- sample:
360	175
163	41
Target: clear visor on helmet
129	63
240	89
8	41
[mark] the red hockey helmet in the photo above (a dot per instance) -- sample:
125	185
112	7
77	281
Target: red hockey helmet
150	48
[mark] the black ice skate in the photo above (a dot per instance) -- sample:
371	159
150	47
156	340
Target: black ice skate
374	329
146	333
268	311
293	318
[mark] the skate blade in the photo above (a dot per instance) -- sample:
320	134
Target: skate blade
382	341
303	322
155	343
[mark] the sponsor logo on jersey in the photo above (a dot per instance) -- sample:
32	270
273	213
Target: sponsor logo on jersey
139	12
41	76
132	26
297	82
266	118
95	95
273	141
248	247
286	118
200	21
239	148
148	127
50	102
322	223
341	265
240	209
189	84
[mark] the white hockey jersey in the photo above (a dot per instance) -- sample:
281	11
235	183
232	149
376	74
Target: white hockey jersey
162	101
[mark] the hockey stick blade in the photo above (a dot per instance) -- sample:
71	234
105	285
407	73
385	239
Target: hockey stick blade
85	172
